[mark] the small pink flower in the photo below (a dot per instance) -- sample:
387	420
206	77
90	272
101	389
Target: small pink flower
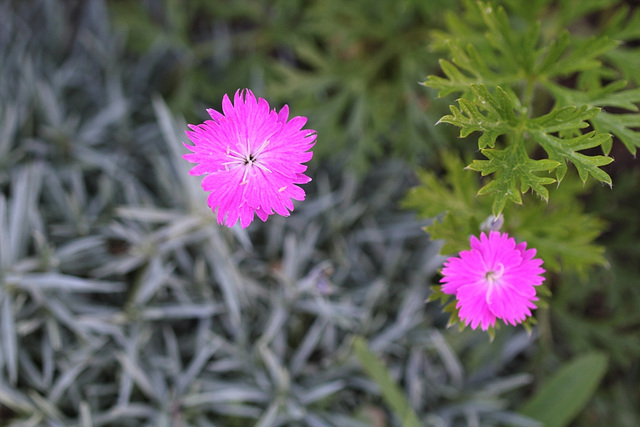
252	157
493	280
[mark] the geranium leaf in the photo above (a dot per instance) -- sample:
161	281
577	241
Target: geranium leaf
513	166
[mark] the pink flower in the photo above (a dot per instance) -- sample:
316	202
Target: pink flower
252	157
493	280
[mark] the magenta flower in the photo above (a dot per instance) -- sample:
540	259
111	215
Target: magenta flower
253	158
493	280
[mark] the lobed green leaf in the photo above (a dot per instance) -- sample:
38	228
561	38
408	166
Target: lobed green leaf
561	150
513	166
584	56
611	95
493	115
621	125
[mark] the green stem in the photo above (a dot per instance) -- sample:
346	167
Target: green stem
527	97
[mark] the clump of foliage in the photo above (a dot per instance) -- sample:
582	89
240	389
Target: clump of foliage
549	108
536	99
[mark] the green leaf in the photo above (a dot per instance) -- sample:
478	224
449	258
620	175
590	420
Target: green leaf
391	392
618	29
624	25
515	49
434	197
449	305
560	149
453	230
513	166
628	61
611	95
455	198
554	52
621	125
456	81
493	115
561	399
562	233
566	122
562	119
584	56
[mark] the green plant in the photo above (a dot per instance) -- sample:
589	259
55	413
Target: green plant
549	109
535	96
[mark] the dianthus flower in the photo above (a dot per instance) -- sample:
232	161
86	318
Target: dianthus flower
252	157
493	280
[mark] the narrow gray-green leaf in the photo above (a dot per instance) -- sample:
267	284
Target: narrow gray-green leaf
64	282
15	400
9	339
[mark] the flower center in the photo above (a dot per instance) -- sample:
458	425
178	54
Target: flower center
247	159
492	276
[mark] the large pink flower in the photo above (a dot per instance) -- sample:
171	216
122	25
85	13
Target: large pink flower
253	158
493	280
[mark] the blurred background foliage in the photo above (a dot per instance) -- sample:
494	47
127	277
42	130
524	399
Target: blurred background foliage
123	303
361	63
